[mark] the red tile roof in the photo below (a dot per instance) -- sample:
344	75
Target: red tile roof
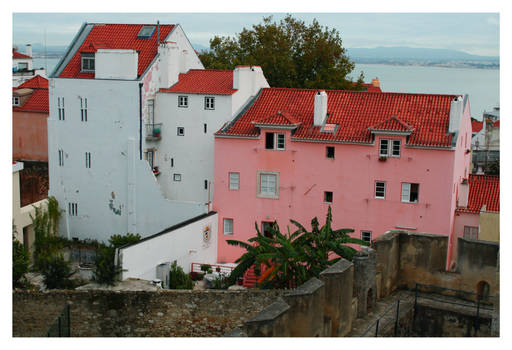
483	190
354	111
496	124
38	100
476	125
369	87
204	81
116	36
392	124
278	119
37	82
16	54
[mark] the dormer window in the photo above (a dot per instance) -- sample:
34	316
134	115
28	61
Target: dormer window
274	141
87	62
15	101
389	148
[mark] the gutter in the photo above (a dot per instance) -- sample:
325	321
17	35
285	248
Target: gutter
140	120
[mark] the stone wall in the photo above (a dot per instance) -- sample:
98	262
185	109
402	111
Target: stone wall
139	313
405	258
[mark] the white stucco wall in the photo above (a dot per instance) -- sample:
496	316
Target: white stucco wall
116	64
185	245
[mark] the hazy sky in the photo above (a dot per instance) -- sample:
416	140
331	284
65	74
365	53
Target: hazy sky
475	33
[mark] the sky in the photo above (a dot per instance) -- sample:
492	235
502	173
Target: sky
474	33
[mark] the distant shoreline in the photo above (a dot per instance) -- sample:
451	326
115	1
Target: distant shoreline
469	65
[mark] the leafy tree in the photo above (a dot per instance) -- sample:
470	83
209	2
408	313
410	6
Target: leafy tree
291	54
178	279
293	258
47	243
20	262
57	273
118	241
106	271
493	168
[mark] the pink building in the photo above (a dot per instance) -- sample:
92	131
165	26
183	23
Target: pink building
381	160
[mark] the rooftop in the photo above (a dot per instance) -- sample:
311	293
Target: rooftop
16	54
116	36
204	81
355	112
483	190
38	100
476	125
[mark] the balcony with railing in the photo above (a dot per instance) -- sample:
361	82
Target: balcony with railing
153	131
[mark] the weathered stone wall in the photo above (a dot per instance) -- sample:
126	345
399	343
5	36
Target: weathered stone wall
131	314
365	283
405	258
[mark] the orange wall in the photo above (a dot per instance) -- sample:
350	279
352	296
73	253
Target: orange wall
29	136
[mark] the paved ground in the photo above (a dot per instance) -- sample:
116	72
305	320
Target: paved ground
361	325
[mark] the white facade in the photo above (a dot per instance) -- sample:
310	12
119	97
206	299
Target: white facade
185	157
194	242
95	166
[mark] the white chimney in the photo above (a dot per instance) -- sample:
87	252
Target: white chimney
242	77
320	108
28	50
455	114
169	63
463	194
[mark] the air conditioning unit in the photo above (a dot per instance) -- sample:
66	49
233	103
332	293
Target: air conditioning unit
162	273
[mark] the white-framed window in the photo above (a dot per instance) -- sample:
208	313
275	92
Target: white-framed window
60	108
149	155
268	184
180	131
234	181
209	102
329	152
389	148
410	192
87	62
151	110
366	236
61	157
73	209
471	232
183	101
380	189
15	101
274	140
228	227
328	197
23	65
87	159
177	177
83	109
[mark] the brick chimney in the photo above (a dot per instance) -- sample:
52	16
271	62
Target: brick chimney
320	115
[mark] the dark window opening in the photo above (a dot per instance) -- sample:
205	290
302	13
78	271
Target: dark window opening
330	152
328	197
269	140
266	228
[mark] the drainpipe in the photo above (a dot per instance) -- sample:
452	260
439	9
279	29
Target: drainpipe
140	120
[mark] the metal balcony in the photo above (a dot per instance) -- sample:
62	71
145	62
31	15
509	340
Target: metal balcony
153	132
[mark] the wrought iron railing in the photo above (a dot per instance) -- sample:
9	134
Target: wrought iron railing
153	131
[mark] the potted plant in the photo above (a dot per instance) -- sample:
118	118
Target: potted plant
156	171
156	132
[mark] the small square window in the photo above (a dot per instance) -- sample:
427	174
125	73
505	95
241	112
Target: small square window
209	103
380	189
234	181
22	65
329	152
327	197
15	101
395	152
183	101
410	192
366	236
269	140
274	141
177	177
87	62
181	131
384	148
471	232
266	229
228	227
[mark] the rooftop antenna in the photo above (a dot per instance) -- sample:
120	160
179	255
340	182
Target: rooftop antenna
158	31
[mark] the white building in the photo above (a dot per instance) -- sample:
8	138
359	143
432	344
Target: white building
186	116
22	67
102	94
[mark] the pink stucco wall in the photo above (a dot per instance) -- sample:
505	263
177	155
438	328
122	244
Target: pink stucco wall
461	220
29	136
305	173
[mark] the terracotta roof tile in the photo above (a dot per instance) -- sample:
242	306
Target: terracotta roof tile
116	36
483	190
204	81
38	100
392	124
16	54
476	125
279	118
37	82
355	112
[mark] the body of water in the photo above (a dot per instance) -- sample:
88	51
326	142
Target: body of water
482	85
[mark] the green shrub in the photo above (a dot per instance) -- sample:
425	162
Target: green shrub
221	283
206	268
20	262
57	273
106	271
179	279
118	241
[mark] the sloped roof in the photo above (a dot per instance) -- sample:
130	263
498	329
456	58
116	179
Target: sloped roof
476	126
483	190
354	111
116	36
38	100
16	54
392	124
204	81
278	119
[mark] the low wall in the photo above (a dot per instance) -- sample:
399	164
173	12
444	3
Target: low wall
405	258
165	313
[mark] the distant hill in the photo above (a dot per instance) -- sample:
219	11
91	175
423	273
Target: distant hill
400	53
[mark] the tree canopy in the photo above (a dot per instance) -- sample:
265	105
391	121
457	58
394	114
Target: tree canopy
291	54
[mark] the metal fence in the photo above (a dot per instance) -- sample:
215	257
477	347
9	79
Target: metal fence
391	315
61	327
